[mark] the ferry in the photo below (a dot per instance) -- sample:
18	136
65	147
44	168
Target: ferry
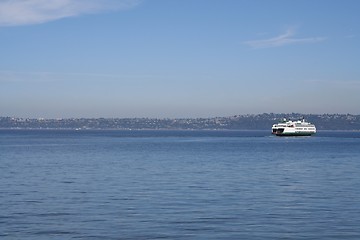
293	128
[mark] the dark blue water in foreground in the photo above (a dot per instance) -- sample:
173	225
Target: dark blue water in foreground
178	185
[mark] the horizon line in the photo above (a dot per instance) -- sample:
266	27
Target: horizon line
163	118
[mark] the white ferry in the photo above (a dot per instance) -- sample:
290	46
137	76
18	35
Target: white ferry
293	128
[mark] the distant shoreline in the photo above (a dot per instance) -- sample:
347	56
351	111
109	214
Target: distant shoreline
263	121
160	130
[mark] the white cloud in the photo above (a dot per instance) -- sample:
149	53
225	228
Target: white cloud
284	39
24	12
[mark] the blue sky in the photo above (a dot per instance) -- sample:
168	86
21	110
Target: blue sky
178	58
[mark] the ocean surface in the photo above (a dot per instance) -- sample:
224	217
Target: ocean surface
178	185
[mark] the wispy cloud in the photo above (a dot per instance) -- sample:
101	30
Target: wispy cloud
284	39
15	77
24	12
41	77
343	83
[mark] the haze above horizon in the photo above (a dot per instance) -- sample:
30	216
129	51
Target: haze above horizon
180	58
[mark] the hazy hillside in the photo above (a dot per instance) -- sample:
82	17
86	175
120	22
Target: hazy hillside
242	122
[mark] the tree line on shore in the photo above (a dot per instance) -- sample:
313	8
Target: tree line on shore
238	122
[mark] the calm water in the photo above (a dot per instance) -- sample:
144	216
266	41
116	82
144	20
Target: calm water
178	185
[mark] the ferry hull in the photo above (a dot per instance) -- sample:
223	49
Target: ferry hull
287	131
293	134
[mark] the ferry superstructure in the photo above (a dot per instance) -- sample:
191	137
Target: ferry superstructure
293	128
